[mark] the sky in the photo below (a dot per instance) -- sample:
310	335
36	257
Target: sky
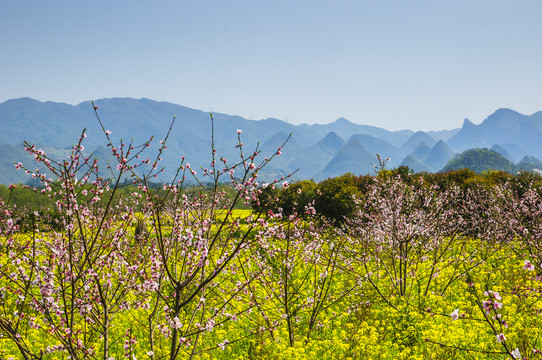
397	64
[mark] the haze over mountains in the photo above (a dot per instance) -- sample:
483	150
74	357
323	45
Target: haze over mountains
318	151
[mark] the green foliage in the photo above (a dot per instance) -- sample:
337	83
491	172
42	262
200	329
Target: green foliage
267	199
24	197
335	197
479	160
402	172
297	196
363	182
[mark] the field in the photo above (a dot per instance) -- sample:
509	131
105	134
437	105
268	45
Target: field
417	270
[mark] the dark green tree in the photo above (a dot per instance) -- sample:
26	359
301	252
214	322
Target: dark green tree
335	197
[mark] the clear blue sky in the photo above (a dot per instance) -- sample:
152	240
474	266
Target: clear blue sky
423	65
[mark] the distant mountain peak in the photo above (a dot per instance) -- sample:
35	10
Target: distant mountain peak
276	139
441	143
478	160
416	165
439	155
467	123
416	139
421	152
332	140
332	134
23	100
504	117
422	145
343	121
501	150
504	111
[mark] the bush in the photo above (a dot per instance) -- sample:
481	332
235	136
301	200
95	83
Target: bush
297	197
335	197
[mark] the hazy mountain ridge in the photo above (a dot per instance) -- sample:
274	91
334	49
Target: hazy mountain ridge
319	151
504	126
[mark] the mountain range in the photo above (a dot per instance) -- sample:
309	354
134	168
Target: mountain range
315	151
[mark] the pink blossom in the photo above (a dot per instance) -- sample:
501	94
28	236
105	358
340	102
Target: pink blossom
528	266
209	325
223	344
107	132
177	323
239	131
500	337
492	294
486	304
455	314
